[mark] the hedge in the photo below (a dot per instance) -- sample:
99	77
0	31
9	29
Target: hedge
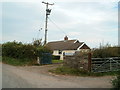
106	52
21	51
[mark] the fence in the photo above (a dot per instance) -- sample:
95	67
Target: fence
105	64
85	62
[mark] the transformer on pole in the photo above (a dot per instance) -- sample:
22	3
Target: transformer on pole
48	11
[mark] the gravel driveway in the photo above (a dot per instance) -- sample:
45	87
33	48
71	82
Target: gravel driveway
39	77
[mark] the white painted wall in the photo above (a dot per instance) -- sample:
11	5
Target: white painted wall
69	51
66	52
56	52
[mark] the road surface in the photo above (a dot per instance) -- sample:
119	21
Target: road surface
32	77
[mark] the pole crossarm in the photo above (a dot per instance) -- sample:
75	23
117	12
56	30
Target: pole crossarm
47	3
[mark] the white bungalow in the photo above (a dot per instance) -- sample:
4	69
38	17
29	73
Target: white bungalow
67	47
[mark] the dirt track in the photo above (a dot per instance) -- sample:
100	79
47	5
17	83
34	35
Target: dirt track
39	77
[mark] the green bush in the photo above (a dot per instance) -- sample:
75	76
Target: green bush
106	52
116	83
20	51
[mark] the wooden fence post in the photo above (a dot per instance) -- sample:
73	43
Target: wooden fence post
89	62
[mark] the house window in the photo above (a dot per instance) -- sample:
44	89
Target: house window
60	52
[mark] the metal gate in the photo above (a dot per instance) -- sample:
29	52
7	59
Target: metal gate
46	58
105	64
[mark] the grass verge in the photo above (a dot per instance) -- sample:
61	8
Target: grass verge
57	61
17	62
71	71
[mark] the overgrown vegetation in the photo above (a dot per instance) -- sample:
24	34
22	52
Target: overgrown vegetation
71	71
116	83
18	62
17	53
106	51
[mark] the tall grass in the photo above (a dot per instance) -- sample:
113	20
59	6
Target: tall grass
17	62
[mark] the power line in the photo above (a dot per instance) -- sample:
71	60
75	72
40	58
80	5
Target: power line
39	32
57	26
41	24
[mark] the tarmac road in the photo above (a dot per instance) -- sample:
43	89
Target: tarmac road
15	77
12	80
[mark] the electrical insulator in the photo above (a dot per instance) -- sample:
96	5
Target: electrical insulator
48	11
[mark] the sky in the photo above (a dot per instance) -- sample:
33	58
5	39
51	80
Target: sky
89	21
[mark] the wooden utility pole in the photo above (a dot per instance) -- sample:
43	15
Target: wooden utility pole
89	62
48	11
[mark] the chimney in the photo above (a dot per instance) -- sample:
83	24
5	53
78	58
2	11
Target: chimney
65	38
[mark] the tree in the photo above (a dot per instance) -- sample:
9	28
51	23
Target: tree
37	42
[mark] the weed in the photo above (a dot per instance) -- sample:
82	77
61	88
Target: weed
71	71
116	83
